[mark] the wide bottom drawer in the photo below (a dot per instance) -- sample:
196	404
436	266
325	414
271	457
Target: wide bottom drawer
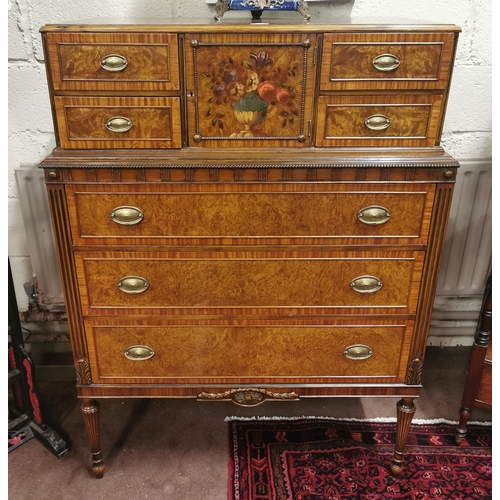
247	352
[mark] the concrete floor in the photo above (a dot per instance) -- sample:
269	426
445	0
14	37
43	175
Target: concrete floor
178	449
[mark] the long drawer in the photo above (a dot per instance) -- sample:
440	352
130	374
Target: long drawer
113	61
237	352
248	282
118	122
380	120
250	214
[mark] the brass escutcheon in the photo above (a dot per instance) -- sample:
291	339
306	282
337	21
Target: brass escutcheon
119	124
114	63
133	284
358	352
374	215
366	284
386	62
139	352
378	122
126	216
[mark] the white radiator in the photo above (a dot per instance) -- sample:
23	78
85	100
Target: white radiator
466	257
38	226
465	263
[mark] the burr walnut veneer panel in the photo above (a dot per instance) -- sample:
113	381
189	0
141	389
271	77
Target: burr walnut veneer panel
118	122
253	281
405	61
253	214
113	61
410	120
246	354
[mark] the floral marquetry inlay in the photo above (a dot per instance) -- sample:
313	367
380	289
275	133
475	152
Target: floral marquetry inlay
250	90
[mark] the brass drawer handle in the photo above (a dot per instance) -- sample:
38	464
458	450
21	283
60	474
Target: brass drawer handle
114	63
358	352
126	216
366	284
378	122
133	284
374	215
119	124
139	352
386	62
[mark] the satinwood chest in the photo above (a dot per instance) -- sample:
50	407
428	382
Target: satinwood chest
249	211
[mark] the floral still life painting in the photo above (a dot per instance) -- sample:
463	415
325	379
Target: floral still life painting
251	91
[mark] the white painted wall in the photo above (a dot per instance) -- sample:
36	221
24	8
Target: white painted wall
467	131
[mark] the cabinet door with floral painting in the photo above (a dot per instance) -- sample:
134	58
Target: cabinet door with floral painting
250	90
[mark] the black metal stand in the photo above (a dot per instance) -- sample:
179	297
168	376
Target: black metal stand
25	415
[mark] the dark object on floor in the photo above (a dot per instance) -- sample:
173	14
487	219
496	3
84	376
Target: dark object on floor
347	459
25	413
479	383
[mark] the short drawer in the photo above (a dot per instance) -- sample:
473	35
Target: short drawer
118	122
250	214
404	121
386	61
215	352
113	61
248	282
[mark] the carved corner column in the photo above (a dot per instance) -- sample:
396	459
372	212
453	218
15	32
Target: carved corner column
405	411
64	248
91	410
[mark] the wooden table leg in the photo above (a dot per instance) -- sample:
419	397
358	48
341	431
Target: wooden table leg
405	410
461	430
477	363
90	411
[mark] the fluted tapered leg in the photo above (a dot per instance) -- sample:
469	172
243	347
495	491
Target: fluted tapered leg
405	410
90	411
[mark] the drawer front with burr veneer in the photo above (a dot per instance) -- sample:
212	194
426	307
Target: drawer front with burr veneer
156	352
113	61
249	283
255	214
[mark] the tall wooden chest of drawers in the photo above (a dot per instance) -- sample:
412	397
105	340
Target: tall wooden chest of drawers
247	211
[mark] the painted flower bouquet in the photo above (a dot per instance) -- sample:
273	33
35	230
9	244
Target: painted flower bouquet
262	86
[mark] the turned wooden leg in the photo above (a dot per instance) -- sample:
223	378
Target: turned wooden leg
461	430
405	410
90	411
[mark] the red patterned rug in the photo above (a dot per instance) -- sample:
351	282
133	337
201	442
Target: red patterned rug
330	459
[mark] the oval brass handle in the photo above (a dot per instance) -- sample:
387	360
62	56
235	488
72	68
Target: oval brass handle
374	215
114	63
377	122
126	216
139	352
358	352
133	284
366	284
386	62
119	124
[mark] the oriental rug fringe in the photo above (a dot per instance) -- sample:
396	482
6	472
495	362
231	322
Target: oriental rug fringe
313	458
